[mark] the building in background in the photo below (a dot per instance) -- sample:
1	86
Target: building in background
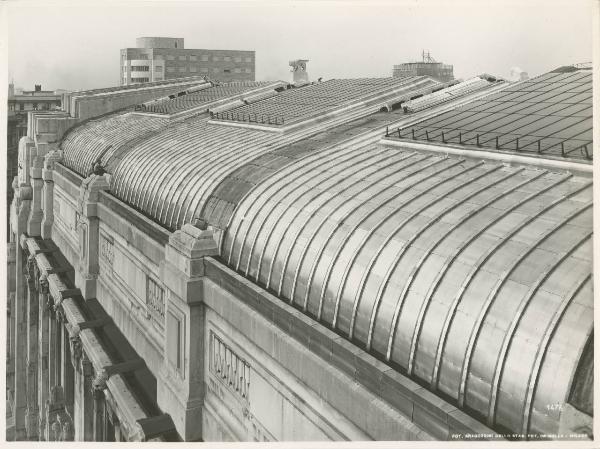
20	102
426	67
162	58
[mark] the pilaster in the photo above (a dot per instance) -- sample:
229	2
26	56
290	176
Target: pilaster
99	425
59	425
52	353
89	234
10	313
50	160
43	387
67	372
32	424
19	216
34	223
181	389
21	334
87	415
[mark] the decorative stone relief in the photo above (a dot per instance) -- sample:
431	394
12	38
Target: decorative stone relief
44	285
107	249
155	301
55	408
30	268
76	350
229	368
60	313
31	422
66	427
99	382
51	158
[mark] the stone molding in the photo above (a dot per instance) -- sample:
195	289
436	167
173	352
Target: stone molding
89	192
51	158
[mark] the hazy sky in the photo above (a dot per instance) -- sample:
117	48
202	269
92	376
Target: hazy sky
76	45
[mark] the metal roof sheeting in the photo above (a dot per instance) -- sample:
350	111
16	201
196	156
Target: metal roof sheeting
471	276
549	115
460	273
166	169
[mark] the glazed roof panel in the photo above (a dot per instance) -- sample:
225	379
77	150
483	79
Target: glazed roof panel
549	115
296	104
166	168
202	97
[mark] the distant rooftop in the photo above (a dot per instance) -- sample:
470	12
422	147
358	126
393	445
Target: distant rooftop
159	42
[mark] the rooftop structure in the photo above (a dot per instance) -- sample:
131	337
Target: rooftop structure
162	58
426	67
299	74
368	286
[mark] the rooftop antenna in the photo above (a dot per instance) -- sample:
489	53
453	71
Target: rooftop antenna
427	56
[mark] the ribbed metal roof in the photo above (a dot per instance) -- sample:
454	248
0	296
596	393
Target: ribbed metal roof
101	138
167	168
549	115
471	276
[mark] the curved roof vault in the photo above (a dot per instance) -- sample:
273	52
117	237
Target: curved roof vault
471	276
166	168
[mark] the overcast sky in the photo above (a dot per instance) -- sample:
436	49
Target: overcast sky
75	45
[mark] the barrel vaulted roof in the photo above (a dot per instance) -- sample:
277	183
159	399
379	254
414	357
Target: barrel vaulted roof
470	275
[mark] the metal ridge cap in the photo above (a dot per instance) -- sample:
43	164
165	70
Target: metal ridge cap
580	168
